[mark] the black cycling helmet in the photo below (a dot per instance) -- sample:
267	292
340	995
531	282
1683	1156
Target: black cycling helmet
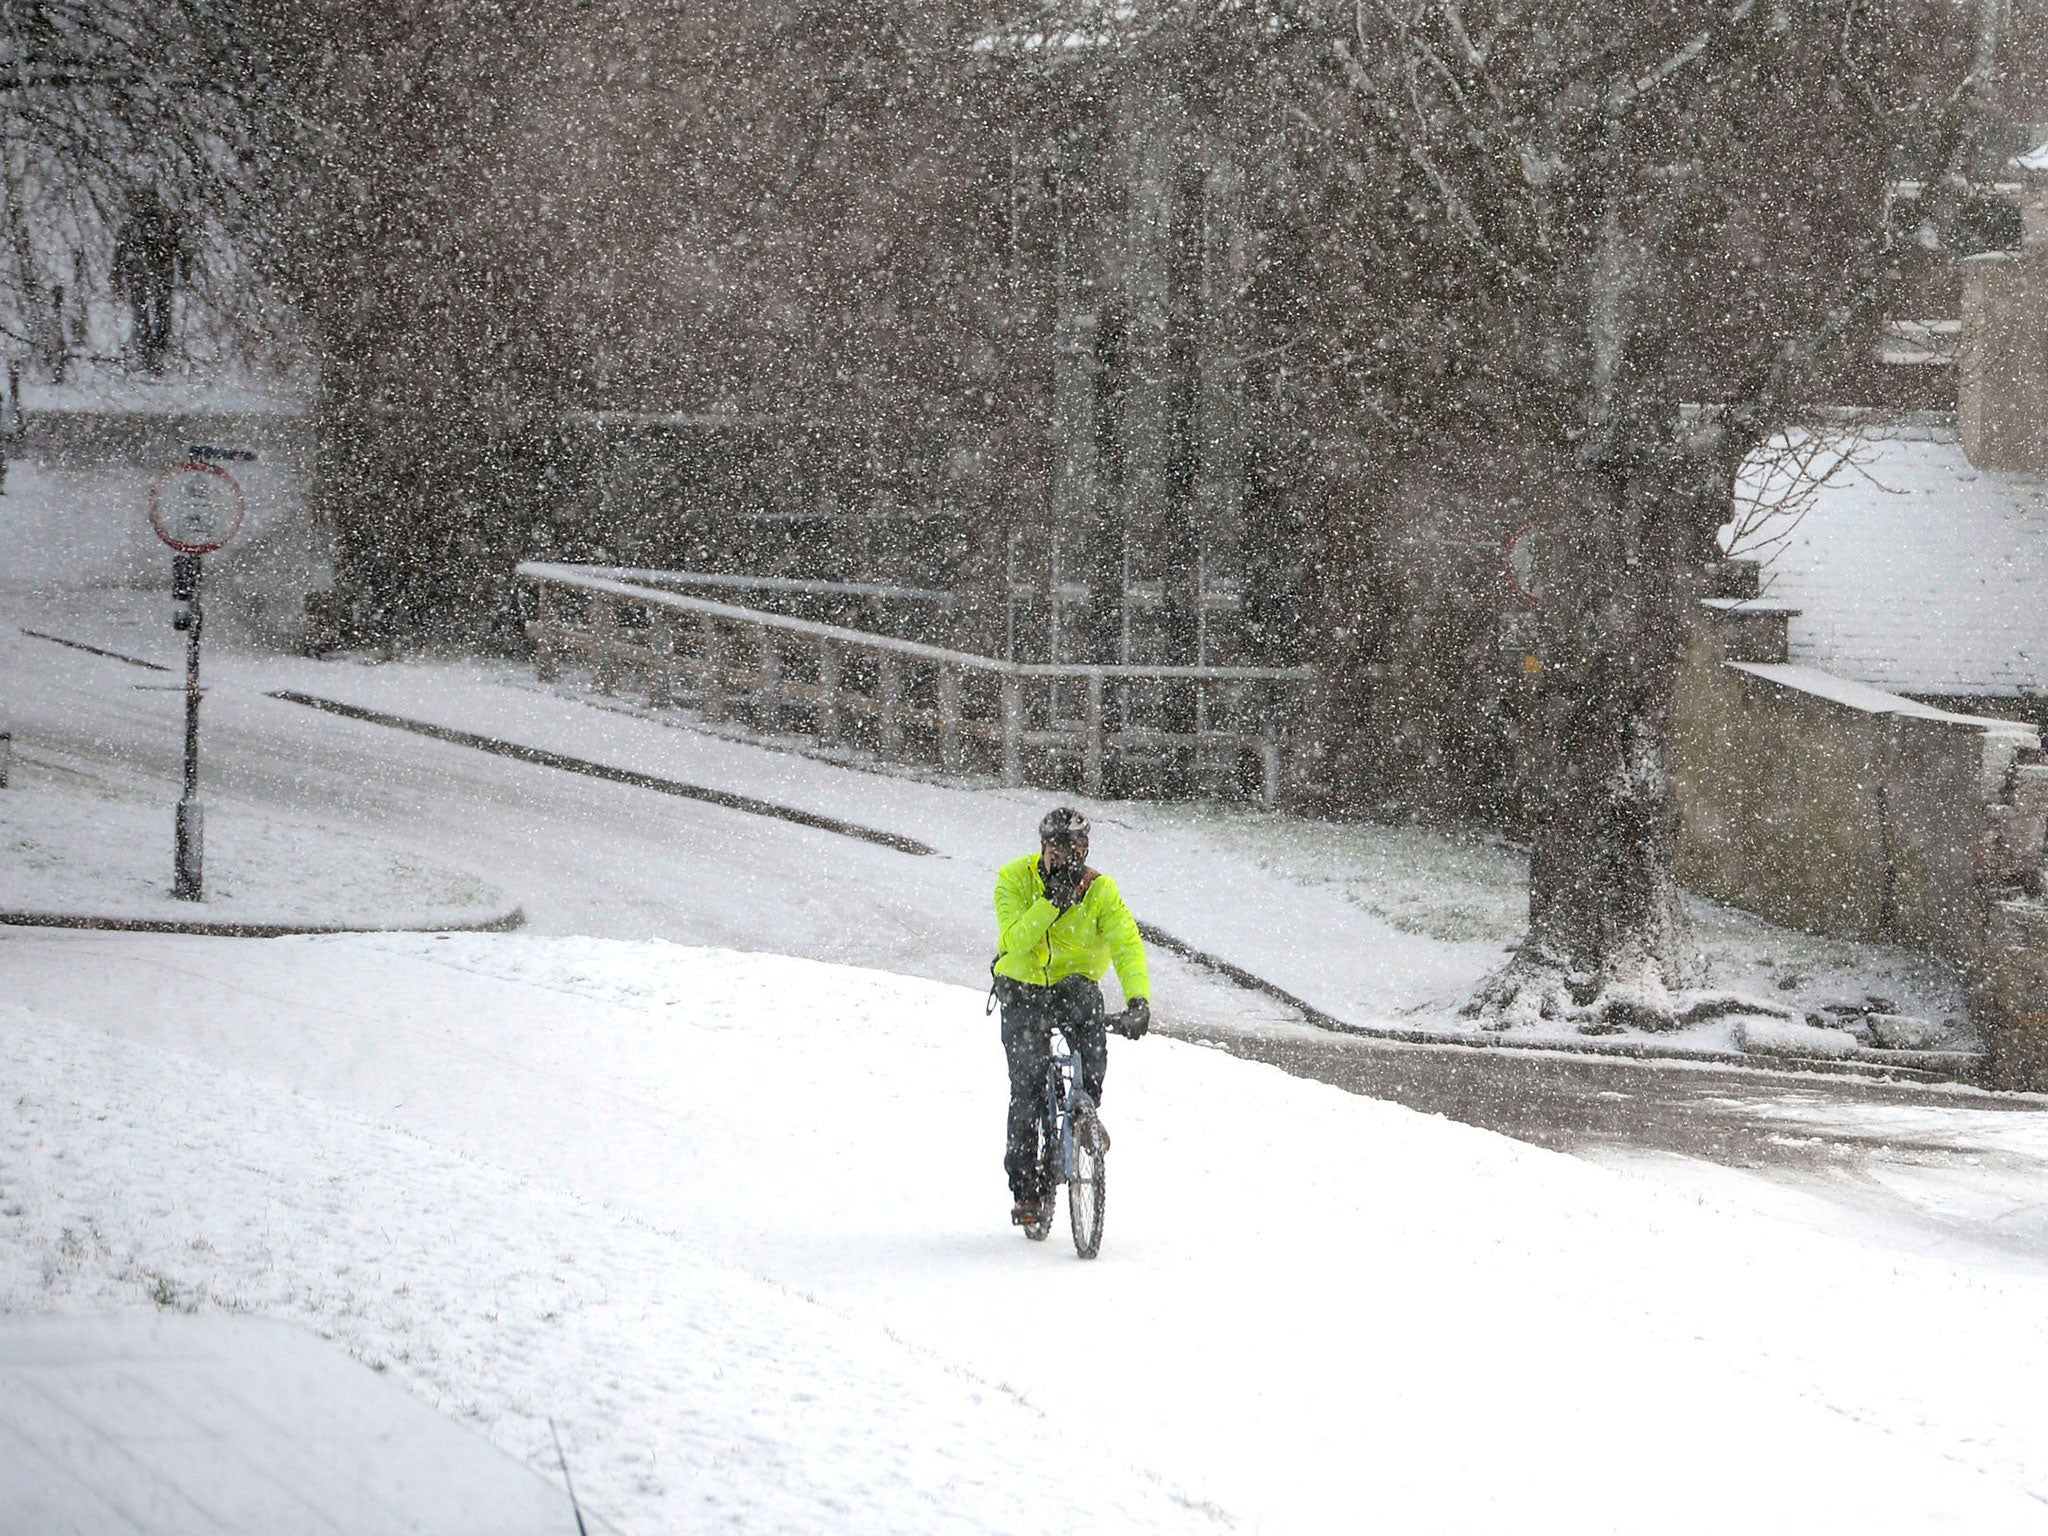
1063	827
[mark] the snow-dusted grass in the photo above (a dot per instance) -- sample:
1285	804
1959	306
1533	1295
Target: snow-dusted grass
1448	884
1461	886
81	838
1837	978
738	1223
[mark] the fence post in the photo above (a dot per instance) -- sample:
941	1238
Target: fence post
1091	746
547	659
949	719
1013	729
828	694
892	706
1269	755
661	679
713	646
768	697
604	631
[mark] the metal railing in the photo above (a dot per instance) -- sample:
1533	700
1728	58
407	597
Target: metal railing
776	585
1216	730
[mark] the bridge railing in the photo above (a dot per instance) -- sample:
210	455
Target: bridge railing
1214	730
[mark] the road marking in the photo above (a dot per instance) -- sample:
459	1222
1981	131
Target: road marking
225	928
80	645
545	759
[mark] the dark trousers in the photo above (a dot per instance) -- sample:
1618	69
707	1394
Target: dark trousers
1073	1005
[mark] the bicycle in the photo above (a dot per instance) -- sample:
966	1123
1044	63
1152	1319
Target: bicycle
1071	1149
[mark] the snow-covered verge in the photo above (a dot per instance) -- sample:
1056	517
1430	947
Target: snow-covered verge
1461	885
82	839
737	1222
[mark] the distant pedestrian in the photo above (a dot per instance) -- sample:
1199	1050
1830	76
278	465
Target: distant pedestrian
151	259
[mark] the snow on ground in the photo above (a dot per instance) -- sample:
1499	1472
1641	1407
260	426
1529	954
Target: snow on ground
794	1302
1388	927
86	838
1384	926
1464	885
737	1221
1970	1175
693	1393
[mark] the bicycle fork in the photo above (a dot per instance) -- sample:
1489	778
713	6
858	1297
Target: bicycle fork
1059	1084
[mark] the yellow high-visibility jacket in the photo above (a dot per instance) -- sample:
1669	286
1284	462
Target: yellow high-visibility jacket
1041	944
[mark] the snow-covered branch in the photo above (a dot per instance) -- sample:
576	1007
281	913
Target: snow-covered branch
1628	92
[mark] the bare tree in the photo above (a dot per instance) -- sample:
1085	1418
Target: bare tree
512	218
1612	242
130	126
1781	481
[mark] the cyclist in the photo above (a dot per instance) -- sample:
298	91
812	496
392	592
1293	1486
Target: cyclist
1060	925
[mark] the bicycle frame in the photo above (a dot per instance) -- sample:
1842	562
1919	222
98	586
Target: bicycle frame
1062	1083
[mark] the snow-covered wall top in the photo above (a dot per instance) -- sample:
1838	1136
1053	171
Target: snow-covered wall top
169	396
1916	572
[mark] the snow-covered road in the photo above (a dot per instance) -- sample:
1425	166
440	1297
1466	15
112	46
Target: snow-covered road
738	1222
1403	931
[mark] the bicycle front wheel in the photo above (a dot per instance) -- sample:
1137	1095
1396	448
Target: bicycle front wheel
1086	1191
1048	1175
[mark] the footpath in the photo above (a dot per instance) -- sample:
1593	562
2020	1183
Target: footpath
91	846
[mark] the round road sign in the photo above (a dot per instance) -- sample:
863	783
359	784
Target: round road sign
195	507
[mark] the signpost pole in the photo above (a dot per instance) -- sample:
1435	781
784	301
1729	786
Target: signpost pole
189	883
195	507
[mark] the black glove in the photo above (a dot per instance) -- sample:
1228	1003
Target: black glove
1063	885
1134	1020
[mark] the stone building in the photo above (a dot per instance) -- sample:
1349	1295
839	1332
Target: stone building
2002	387
1158	541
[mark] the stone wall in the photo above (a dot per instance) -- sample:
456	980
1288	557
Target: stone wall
93	463
2002	374
1838	808
2002	379
2014	995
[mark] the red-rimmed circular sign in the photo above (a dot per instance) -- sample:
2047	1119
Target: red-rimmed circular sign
195	507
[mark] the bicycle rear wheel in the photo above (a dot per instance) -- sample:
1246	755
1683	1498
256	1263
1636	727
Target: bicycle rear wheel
1086	1185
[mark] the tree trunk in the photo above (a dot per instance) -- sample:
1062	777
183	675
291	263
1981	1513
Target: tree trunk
1608	939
